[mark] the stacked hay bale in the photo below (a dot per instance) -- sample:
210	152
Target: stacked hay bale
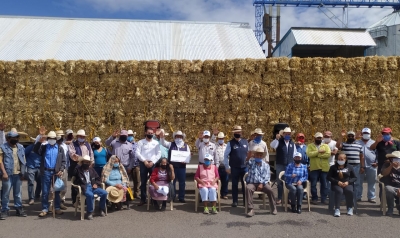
311	94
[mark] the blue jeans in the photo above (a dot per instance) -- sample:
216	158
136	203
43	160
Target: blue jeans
370	173
47	180
180	176
224	177
90	192
144	176
358	184
34	175
295	192
279	168
237	175
316	175
14	182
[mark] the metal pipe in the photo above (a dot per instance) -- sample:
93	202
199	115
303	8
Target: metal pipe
270	32
278	24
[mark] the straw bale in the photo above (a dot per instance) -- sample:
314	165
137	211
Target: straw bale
371	64
295	64
391	63
272	65
111	66
208	67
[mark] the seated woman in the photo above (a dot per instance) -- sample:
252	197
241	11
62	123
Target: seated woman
162	174
342	178
207	177
114	174
295	175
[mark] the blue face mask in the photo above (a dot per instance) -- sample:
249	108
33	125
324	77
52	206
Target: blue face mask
80	140
207	162
116	165
130	138
258	139
386	138
287	137
258	160
220	142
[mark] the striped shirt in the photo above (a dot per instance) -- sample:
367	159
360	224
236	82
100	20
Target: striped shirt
352	152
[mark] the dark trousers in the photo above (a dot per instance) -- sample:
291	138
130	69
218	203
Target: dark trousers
224	177
144	176
348	193
180	176
316	175
237	175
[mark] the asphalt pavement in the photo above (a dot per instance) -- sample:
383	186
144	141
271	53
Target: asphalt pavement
183	221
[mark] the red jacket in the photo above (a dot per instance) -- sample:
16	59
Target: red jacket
154	175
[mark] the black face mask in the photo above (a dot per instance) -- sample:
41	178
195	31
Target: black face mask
149	136
123	138
13	141
297	161
85	166
70	137
163	166
60	141
350	140
96	146
318	142
237	136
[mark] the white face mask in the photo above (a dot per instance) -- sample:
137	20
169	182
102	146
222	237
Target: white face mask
220	142
396	160
52	141
206	140
341	162
178	141
366	136
327	140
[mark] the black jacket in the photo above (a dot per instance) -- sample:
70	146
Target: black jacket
61	159
347	171
80	178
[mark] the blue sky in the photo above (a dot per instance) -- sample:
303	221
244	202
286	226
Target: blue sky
192	10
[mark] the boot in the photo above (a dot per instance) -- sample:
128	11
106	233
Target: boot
294	209
4	215
299	209
20	212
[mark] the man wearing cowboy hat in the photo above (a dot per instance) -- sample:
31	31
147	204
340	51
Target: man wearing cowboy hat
60	142
236	150
219	161
285	151
179	167
391	171
257	142
52	164
136	168
90	183
204	145
12	167
257	180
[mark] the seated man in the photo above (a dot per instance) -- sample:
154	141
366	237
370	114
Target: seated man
257	180
207	177
90	183
391	170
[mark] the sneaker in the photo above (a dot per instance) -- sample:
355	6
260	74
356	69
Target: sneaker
90	216
63	207
31	202
206	211
337	213
250	213
214	210
21	212
102	213
371	201
350	211
275	212
43	214
4	215
59	212
278	202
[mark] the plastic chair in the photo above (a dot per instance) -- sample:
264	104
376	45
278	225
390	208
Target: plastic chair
82	198
256	192
383	205
149	198
197	195
307	190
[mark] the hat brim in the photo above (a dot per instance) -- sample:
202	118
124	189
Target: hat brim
115	199
236	131
259	133
391	156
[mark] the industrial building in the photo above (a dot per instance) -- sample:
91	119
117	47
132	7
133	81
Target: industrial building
323	42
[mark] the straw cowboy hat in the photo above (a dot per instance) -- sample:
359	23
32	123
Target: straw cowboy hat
81	133
258	131
178	133
221	135
114	195
395	154
237	129
259	150
84	158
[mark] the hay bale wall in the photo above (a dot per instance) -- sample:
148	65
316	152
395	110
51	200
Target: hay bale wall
313	94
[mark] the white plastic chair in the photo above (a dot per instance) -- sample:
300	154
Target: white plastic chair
197	195
80	197
307	190
383	205
256	192
149	197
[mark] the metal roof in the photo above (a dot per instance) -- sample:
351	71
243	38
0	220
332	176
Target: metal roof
332	36
389	20
34	38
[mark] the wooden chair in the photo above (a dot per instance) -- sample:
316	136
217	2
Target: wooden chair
256	192
307	190
149	198
197	195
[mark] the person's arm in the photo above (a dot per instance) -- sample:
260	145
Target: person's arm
2	137
216	158
154	176
386	171
38	149
165	143
28	150
375	144
139	151
63	160
331	173
198	143
305	175
327	153
312	151
288	172
362	160
172	173
274	144
109	140
91	154
3	170
188	150
226	155
216	174
72	152
339	143
267	176
131	158
108	182
266	158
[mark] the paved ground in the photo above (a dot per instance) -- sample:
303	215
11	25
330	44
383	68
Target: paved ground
184	222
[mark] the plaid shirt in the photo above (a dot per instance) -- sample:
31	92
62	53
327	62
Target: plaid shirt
301	172
258	173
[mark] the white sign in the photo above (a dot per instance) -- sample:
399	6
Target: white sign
180	156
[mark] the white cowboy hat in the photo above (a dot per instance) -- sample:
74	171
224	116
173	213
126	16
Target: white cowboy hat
258	131
83	158
237	129
221	135
259	150
81	133
114	195
51	134
178	133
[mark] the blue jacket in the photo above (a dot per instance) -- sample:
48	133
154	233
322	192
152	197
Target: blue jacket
8	159
304	157
32	159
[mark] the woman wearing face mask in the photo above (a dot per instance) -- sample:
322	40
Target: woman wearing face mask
100	155
342	178
296	175
162	174
114	174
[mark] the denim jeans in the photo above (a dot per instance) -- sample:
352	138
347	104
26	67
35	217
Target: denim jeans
237	175
224	177
144	176
47	180
90	192
14	182
316	175
180	176
358	184
295	192
279	168
370	173
34	175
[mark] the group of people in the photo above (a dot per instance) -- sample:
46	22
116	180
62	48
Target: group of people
90	165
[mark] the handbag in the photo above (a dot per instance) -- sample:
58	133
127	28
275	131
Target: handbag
59	185
129	194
